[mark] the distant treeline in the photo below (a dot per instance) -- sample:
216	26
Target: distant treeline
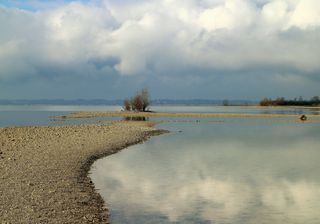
281	101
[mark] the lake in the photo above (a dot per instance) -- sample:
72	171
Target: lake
206	170
29	115
232	171
26	115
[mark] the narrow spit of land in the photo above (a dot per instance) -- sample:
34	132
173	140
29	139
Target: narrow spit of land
89	114
44	170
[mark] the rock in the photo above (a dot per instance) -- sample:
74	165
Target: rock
303	117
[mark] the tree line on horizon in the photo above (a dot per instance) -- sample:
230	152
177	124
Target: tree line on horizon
281	101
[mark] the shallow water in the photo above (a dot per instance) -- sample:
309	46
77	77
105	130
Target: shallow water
235	171
27	115
237	110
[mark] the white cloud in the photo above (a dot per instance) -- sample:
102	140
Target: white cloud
233	14
163	36
306	14
275	14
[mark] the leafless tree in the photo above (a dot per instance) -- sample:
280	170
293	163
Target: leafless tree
266	102
127	105
145	96
140	102
137	103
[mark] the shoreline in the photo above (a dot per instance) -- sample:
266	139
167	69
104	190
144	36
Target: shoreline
44	170
93	114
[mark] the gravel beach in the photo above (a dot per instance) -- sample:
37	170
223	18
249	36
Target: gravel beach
44	170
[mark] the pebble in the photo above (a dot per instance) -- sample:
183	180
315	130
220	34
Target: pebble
52	167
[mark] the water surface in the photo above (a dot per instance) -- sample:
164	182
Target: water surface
235	171
218	170
29	115
26	115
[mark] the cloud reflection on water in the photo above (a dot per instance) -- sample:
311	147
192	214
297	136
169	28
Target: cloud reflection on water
217	180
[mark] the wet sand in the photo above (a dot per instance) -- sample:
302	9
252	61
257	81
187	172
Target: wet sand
44	170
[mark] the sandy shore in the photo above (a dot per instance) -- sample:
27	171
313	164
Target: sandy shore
88	114
43	176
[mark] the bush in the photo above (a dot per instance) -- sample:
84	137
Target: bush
225	102
137	103
140	102
145	97
127	105
266	102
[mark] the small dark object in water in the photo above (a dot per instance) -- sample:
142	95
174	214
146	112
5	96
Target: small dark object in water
303	117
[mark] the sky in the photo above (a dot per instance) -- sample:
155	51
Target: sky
178	49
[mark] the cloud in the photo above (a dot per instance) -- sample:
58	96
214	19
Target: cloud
164	38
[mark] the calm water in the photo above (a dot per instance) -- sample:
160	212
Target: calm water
243	171
38	115
223	170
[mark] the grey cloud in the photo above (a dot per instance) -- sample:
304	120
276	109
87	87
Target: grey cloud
188	41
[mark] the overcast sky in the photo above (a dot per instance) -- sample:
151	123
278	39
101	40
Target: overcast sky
213	49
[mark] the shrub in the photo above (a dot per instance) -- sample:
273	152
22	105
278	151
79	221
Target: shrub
140	102
145	97
127	105
137	103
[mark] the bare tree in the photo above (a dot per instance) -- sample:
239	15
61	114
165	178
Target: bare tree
137	103
140	102
266	102
145	96
127	105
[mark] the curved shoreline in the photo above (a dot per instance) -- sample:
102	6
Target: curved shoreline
44	170
85	169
